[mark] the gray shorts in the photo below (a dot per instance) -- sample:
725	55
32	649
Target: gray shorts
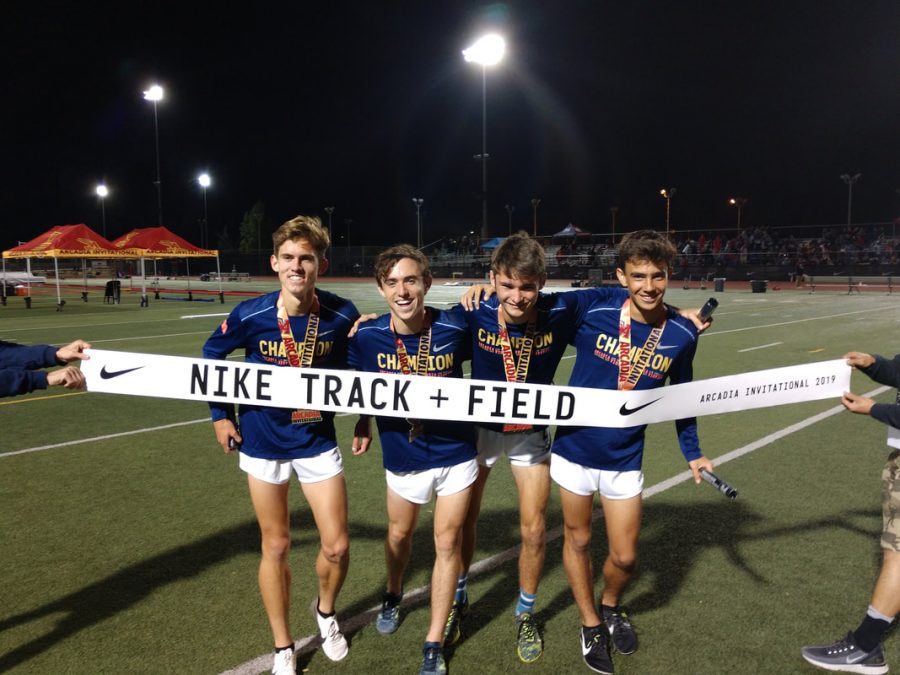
523	449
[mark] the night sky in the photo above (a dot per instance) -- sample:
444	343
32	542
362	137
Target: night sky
365	105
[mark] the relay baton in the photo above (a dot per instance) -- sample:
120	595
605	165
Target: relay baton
707	309
719	484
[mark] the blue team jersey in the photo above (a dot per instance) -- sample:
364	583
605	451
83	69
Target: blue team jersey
253	326
597	366
554	330
442	443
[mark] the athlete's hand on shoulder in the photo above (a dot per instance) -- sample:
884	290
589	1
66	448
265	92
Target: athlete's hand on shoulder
69	377
73	351
861	405
859	359
472	298
362	319
702	462
225	431
362	435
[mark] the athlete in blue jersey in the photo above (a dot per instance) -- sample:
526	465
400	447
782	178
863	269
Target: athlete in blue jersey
518	335
296	326
635	343
421	457
20	367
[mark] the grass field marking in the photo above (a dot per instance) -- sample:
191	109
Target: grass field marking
100	438
750	349
151	337
202	316
353	624
42	398
756	445
81	326
788	323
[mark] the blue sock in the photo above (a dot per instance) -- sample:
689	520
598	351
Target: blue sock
526	602
462	585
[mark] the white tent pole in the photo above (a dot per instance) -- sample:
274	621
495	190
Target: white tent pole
58	296
28	283
219	277
144	301
187	264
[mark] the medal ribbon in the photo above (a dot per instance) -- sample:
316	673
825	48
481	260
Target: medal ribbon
629	373
515	372
416	427
303	358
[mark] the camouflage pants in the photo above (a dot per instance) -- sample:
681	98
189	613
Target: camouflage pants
890	503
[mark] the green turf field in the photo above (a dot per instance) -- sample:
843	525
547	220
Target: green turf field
129	544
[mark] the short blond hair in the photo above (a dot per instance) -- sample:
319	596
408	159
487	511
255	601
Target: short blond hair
303	227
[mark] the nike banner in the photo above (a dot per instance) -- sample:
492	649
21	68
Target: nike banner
455	399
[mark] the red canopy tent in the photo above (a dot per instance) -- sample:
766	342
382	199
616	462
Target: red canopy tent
156	243
66	241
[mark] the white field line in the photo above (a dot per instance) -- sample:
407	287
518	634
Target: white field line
713	333
750	349
420	595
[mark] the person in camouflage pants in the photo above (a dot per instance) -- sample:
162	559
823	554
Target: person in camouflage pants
860	651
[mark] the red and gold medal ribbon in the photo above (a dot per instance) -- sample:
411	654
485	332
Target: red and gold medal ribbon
629	373
515	372
416	427
304	357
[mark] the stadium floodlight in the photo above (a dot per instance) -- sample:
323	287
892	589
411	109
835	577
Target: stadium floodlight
667	194
155	94
102	191
205	181
488	50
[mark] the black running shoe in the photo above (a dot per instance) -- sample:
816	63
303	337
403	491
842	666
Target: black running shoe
452	629
621	631
846	657
595	650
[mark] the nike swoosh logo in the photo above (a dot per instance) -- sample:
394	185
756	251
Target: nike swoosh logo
326	332
109	374
442	347
661	347
625	410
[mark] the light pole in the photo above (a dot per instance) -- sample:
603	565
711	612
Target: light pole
613	210
850	180
739	203
102	191
667	194
205	181
509	212
329	210
155	94
534	204
487	51
418	202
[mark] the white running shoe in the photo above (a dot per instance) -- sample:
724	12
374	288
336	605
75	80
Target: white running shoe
285	662
334	644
